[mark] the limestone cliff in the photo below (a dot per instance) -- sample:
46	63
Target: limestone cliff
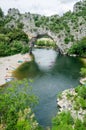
63	30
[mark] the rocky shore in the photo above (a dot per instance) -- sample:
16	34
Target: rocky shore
83	81
66	102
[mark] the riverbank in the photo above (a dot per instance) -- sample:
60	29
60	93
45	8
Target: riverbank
67	102
10	63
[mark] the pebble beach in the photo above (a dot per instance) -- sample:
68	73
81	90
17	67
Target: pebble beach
9	63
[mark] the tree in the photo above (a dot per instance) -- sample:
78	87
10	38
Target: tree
16	102
1	13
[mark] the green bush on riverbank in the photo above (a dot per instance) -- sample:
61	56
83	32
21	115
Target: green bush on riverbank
83	72
14	48
13	42
45	43
16	102
79	48
64	121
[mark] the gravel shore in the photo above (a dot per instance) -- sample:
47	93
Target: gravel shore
9	63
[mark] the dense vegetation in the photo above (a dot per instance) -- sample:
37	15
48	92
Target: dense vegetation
16	102
12	40
79	48
64	121
45	43
83	72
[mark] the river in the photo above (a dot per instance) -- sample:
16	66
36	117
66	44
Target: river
51	75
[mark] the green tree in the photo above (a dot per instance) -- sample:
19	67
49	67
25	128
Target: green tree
79	48
1	13
16	102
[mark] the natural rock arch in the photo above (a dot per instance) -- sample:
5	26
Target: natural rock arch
42	33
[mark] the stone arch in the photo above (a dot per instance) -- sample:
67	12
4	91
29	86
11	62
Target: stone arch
41	32
37	36
43	35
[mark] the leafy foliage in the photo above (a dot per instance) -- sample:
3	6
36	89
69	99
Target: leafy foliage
83	72
13	41
79	48
46	43
81	90
63	121
80	99
17	34
16	102
67	40
14	48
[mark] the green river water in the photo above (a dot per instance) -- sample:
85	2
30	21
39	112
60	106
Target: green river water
51	74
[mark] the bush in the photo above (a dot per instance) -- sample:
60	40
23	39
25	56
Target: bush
80	100
25	49
3	49
4	38
16	102
16	47
62	121
79	125
45	43
17	34
81	91
79	48
83	72
13	48
66	40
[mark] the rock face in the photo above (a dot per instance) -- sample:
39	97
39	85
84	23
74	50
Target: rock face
75	28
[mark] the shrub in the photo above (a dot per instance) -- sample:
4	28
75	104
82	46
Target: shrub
3	48
25	49
62	121
18	34
45	43
79	125
81	91
13	48
4	38
66	40
16	47
79	48
83	72
16	102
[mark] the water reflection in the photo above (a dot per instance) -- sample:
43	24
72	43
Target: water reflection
67	66
27	70
45	58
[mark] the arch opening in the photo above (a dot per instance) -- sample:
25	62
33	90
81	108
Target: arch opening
42	40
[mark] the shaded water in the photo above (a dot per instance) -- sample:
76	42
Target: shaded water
51	74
